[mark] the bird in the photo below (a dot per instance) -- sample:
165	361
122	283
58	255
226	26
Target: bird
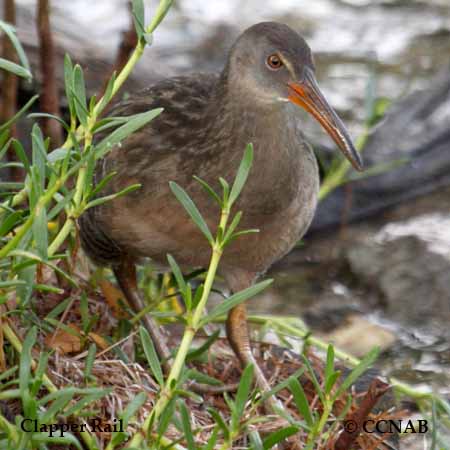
206	123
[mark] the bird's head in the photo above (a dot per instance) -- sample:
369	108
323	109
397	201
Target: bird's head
273	64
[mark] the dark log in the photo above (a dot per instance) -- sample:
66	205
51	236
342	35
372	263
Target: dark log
49	91
10	84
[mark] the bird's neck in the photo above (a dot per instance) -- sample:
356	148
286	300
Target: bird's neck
280	153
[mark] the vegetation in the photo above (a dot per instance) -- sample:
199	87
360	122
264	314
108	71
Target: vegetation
44	289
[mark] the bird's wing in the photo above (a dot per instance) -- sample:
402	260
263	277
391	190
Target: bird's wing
178	128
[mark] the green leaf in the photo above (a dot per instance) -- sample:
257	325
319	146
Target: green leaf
37	259
365	364
133	407
68	83
107	95
81	110
212	193
19	113
161	11
255	440
196	352
331	381
210	445
242	174
57	405
99	186
187	429
192	374
85	401
67	440
89	362
15	69
192	210
10	31
166	418
314	379
242	233
21	154
25	360
242	394
40	233
79	91
39	159
108	122
107	198
278	436
198	295
133	124
234	300
138	11
12	283
58	155
301	401
10	221
60	204
177	274
49	116
230	230
219	421
225	189
152	357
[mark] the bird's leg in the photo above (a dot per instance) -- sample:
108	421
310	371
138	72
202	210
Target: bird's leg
125	274
238	336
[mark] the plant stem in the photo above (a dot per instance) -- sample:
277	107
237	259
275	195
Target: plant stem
42	202
190	331
317	431
61	236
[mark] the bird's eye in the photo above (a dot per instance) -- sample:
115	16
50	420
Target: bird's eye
274	62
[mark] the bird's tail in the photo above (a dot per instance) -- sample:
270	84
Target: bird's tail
100	248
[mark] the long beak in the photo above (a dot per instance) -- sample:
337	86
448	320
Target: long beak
307	95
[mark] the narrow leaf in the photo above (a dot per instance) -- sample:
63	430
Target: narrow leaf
242	394
19	113
278	436
79	91
209	190
192	210
177	274
152	357
301	401
138	11
107	198
133	124
365	364
10	31
242	174
187	429
14	68
223	307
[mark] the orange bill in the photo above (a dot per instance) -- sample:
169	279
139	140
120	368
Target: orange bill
307	94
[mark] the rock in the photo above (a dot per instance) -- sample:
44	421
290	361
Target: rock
358	336
413	280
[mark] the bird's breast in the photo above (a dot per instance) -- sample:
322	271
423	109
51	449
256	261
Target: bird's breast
280	200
